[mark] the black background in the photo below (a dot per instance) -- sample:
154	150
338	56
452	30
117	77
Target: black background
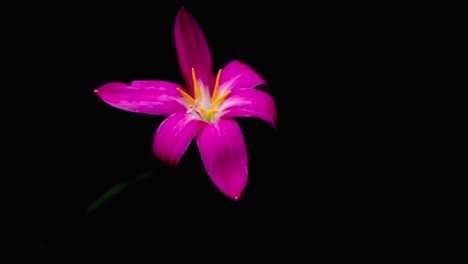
317	182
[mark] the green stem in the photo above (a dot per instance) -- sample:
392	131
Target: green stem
115	190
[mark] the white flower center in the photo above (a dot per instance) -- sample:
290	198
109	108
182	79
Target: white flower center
204	105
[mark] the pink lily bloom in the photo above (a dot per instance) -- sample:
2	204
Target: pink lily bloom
204	110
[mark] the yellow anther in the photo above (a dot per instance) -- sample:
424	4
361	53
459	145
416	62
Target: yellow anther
220	99
186	96
207	113
215	89
212	112
195	86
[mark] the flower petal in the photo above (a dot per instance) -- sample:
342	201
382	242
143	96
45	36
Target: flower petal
193	50
174	136
250	103
224	154
237	75
149	97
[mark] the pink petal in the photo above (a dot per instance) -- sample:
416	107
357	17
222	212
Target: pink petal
237	75
250	103
224	154
149	97
192	50
174	136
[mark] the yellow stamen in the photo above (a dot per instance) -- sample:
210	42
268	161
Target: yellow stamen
215	90
220	99
195	86
212	112
186	96
208	113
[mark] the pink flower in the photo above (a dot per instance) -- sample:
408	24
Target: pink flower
204	110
